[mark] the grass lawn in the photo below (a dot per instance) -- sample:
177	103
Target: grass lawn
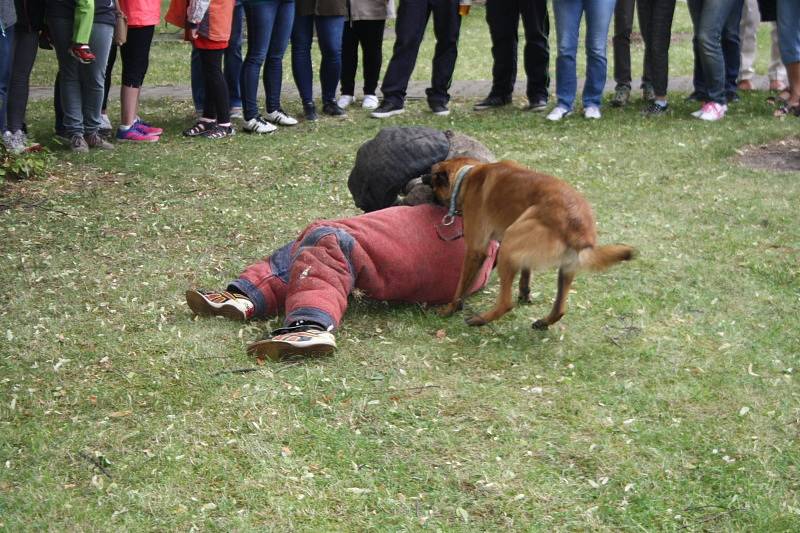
666	399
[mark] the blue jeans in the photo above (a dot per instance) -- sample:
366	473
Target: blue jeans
329	36
568	15
269	25
6	58
716	45
232	62
789	30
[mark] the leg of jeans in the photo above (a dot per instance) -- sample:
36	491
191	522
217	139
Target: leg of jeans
233	56
536	23
502	16
713	16
371	37
6	57
623	25
731	47
568	15
112	58
93	76
747	39
69	87
278	41
412	17
350	55
598	20
789	36
698	77
446	27
776	71
260	19
329	38
26	44
302	70
658	42
196	75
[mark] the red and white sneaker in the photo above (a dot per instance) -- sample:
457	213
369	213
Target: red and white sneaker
228	304
711	111
82	53
305	343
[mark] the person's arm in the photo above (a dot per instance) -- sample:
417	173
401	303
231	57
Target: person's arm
194	14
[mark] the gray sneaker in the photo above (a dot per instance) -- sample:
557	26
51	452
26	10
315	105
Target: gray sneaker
8	142
648	93
95	140
622	95
78	144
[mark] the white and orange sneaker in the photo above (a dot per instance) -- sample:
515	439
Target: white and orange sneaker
294	342
228	304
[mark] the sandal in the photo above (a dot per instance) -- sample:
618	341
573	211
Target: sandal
787	110
219	132
200	128
780	99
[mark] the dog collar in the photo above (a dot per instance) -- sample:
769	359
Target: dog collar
450	217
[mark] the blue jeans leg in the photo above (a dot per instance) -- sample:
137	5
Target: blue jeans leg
233	56
329	36
260	24
709	18
6	58
598	20
568	21
279	40
301	57
789	30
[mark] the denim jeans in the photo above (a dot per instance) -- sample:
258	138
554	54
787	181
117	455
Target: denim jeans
81	86
329	36
6	58
26	44
716	47
232	62
789	30
568	15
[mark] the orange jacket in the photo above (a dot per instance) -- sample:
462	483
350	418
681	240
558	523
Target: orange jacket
216	17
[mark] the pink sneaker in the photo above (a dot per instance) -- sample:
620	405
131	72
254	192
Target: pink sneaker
146	128
134	135
712	111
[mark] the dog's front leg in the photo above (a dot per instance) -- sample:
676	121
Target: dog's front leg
472	264
525	286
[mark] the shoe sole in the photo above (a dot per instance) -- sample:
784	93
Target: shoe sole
441	113
259	132
278	350
153	140
387	114
202	307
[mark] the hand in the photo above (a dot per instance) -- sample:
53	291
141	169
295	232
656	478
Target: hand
193	33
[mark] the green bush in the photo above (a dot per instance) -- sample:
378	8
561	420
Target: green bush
24	166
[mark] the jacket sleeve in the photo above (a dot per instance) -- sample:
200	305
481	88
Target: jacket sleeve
196	11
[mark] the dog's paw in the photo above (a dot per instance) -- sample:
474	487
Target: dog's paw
447	310
524	298
476	320
540	324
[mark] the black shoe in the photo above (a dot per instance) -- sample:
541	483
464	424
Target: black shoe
332	109
491	101
697	97
439	109
654	109
387	109
537	106
732	97
310	112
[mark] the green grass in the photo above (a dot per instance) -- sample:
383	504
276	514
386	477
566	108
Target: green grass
627	415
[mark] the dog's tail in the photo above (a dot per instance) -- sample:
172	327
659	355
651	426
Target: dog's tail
599	258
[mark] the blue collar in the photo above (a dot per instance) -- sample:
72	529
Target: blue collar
452	212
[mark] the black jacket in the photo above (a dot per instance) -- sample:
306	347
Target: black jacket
30	15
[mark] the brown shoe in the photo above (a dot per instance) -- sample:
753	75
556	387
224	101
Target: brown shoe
95	140
745	85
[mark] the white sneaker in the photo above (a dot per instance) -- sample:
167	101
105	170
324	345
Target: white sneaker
558	113
105	123
259	125
236	112
345	100
592	112
370	102
298	343
279	118
712	111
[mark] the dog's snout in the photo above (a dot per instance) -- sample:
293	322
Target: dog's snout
426	179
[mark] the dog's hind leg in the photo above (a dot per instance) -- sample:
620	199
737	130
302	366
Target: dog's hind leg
525	286
560	304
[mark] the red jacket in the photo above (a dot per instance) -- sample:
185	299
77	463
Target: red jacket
141	12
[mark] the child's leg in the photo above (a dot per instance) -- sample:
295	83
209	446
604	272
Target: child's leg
84	18
216	105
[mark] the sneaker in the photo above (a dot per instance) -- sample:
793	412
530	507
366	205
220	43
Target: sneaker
345	100
309	342
333	110
219	132
199	128
146	129
712	111
622	95
279	118
491	102
654	109
370	102
537	106
258	124
592	112
648	93
236	112
95	140
105	125
731	97
558	113
228	304
82	53
439	109
134	135
78	144
310	112
10	145
387	109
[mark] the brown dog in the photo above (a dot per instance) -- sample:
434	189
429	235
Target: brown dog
540	220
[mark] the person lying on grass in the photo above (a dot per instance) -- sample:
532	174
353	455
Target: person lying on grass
400	254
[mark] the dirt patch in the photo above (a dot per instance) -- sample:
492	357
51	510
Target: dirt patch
782	155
